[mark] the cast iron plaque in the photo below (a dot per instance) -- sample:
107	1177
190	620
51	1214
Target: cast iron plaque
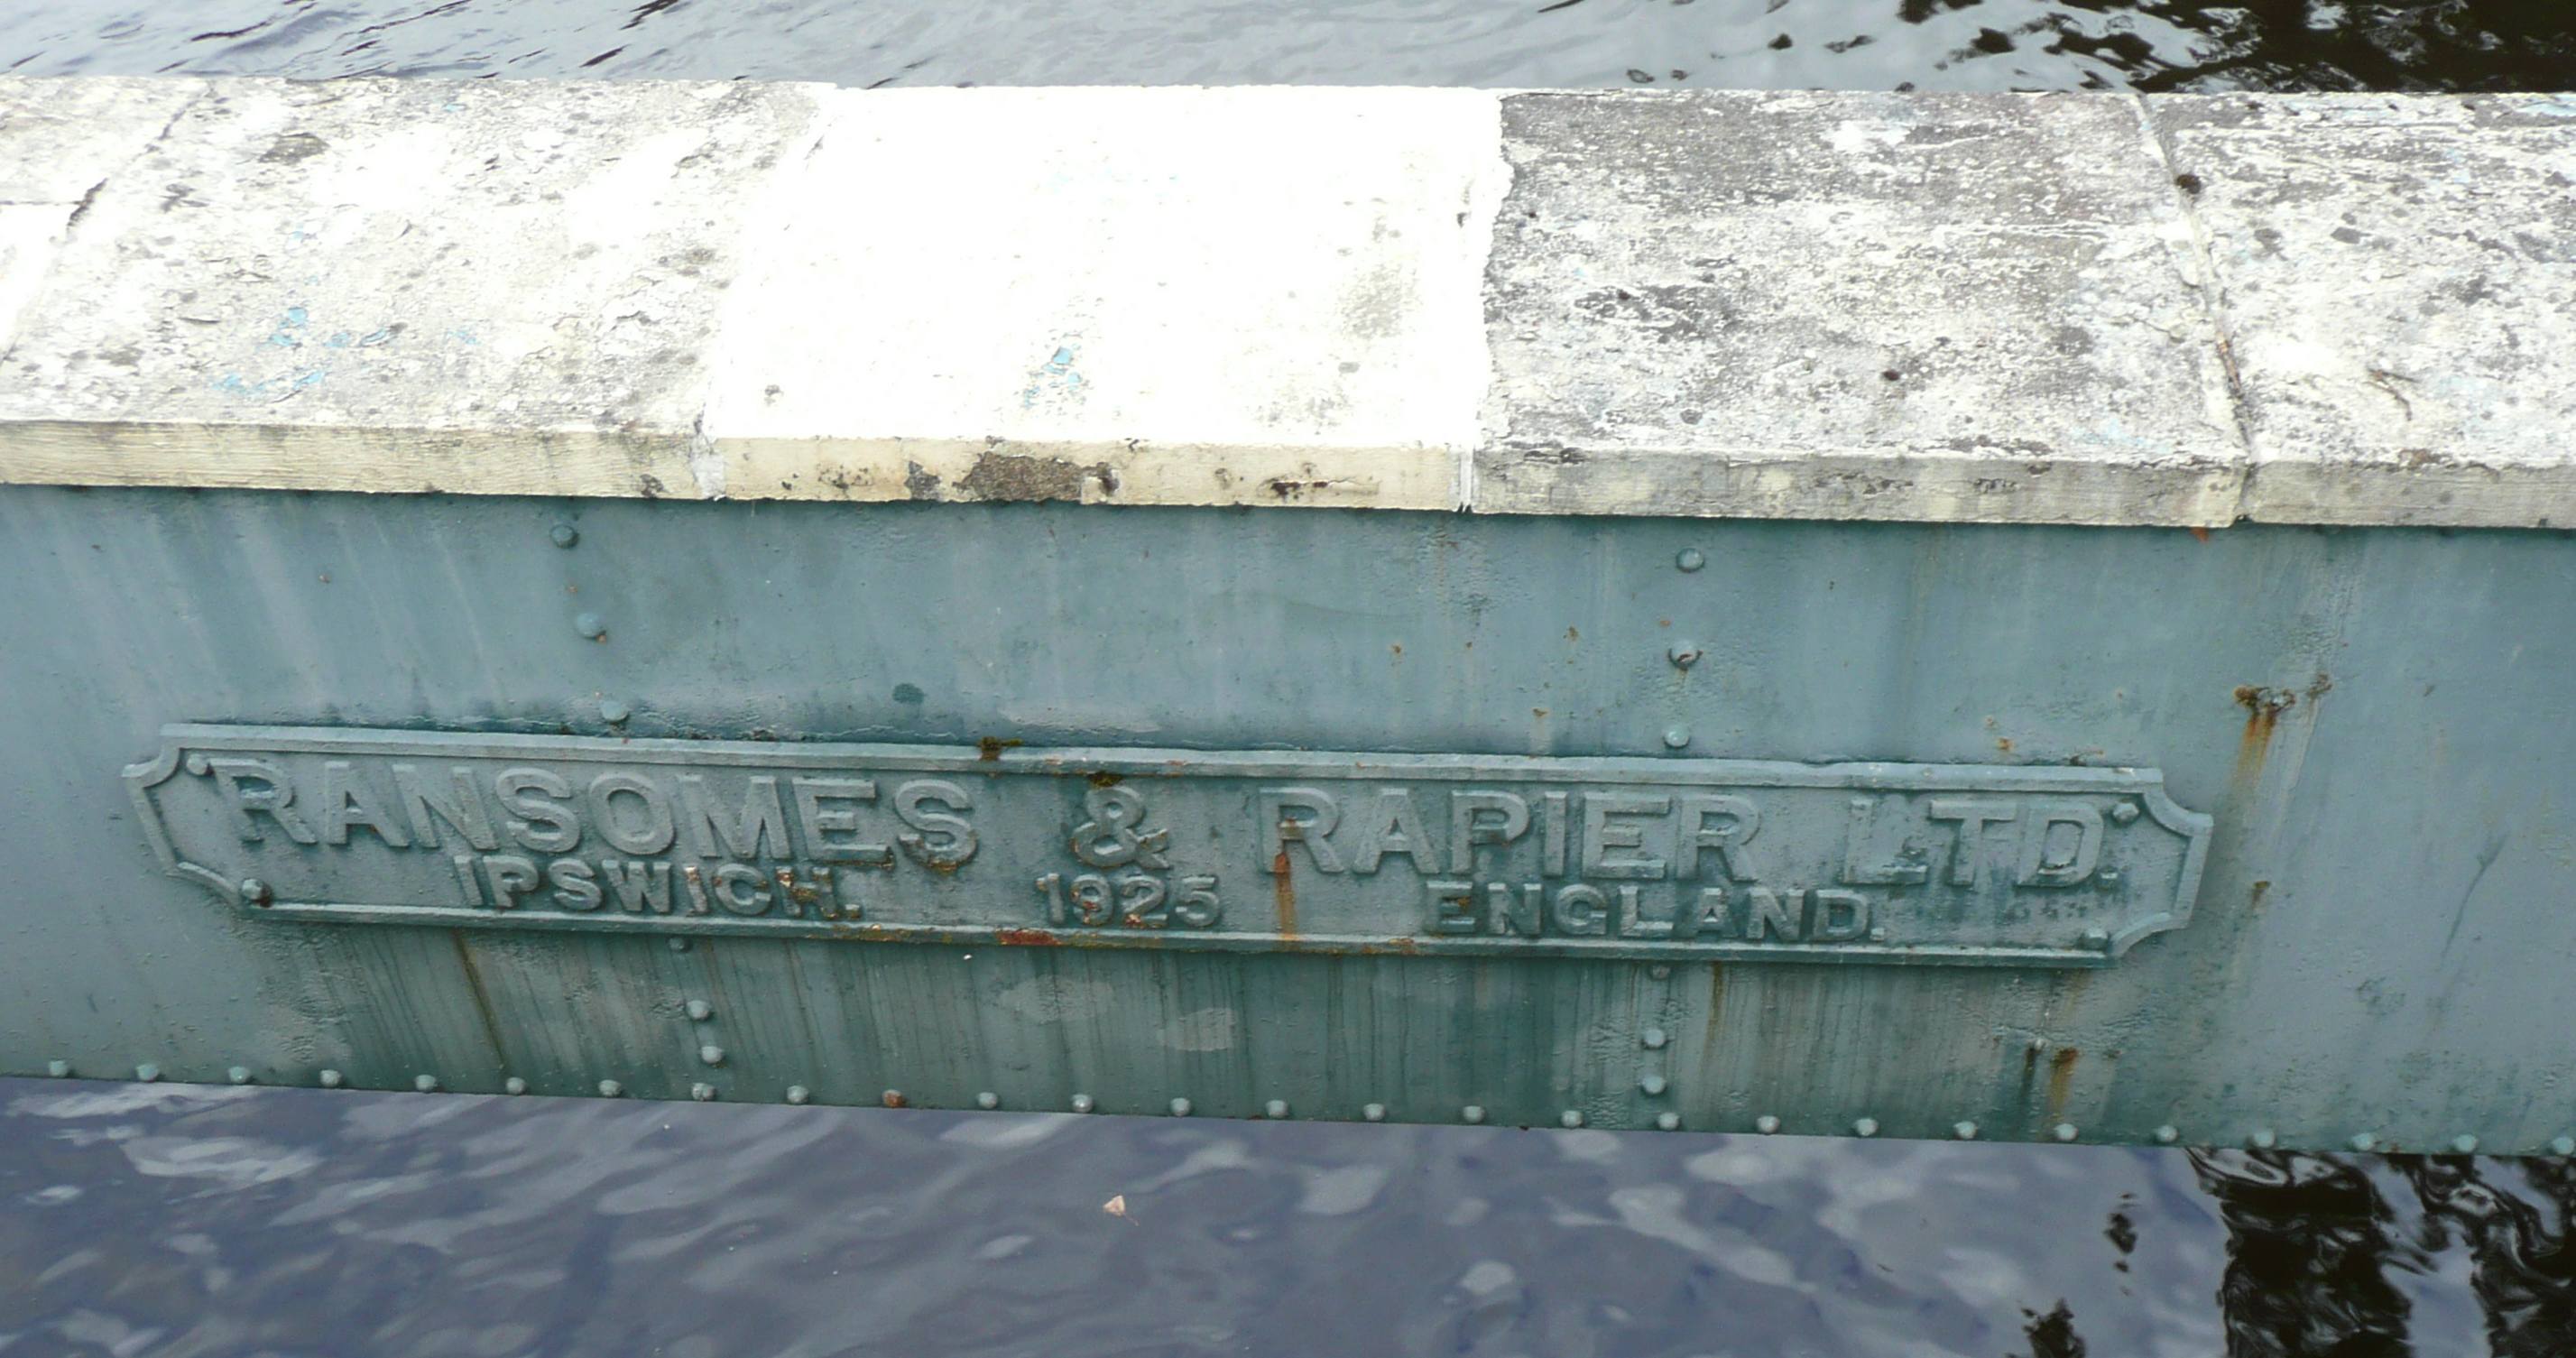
1446	855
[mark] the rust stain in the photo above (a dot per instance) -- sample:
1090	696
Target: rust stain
2261	889
1104	779
990	747
2263	708
1716	1000
2200	534
2061	1074
1284	890
893	1099
1027	938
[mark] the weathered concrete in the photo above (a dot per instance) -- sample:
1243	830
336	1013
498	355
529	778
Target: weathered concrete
1850	306
2060	309
2398	287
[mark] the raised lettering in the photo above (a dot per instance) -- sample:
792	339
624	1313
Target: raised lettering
1860	831
1525	915
1973	818
1483	818
1551	837
1709	918
274	797
510	875
525	794
575	888
1279	829
2041	862
1602	833
639	887
347	801
462	809
1453	907
825	807
1580	909
941	840
760	831
1839	916
1394	825
1766	915
1698	837
741	890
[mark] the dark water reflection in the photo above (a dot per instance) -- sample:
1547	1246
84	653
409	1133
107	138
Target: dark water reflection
1833	44
173	1220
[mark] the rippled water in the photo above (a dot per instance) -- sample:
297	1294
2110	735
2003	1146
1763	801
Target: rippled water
159	1219
1835	44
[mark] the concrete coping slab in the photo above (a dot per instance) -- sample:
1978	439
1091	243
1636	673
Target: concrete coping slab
2071	309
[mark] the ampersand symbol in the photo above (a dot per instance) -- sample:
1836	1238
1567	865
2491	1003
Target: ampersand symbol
1112	837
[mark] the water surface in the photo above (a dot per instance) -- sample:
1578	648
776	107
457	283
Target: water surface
163	1219
1776	44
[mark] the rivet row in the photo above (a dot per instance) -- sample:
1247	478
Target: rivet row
1278	1110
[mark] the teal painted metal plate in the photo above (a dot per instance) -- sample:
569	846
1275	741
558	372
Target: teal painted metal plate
1707	859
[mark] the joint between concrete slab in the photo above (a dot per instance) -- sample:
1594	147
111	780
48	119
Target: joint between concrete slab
2205	284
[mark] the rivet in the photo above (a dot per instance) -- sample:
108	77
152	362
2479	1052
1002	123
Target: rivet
1676	737
614	711
1683	654
239	1075
1653	1038
1668	1122
1276	1110
1865	1127
1472	1113
2364	1141
514	1085
2108	876
2064	1131
679	945
60	1070
2124	811
147	1072
426	1084
1965	1131
893	1098
1878	934
711	1054
590	625
703	1093
1661	971
2039	1044
1652	1084
1690	559
700	1011
332	1079
1375	1112
256	891
1082	1103
2563	1146
2096	939
2465	1145
1571	1117
2168	1134
610	1089
2262	1139
1180	1108
1766	1124
799	1095
988	1100
564	534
